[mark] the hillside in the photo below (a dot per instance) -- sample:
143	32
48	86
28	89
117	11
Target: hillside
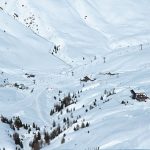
67	68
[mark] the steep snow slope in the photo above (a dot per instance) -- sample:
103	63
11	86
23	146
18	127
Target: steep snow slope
100	39
110	23
22	49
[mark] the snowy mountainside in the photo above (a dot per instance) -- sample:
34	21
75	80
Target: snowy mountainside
110	23
67	68
21	44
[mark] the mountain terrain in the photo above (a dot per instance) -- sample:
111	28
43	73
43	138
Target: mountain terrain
66	72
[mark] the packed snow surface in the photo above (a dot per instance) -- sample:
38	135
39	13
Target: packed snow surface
62	41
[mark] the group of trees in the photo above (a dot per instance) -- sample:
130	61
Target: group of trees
104	99
66	101
18	123
110	92
17	139
55	49
14	123
38	142
40	139
83	125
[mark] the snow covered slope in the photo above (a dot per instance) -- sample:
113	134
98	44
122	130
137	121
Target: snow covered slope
105	24
22	49
49	48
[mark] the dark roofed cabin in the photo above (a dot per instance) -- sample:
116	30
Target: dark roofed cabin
139	96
